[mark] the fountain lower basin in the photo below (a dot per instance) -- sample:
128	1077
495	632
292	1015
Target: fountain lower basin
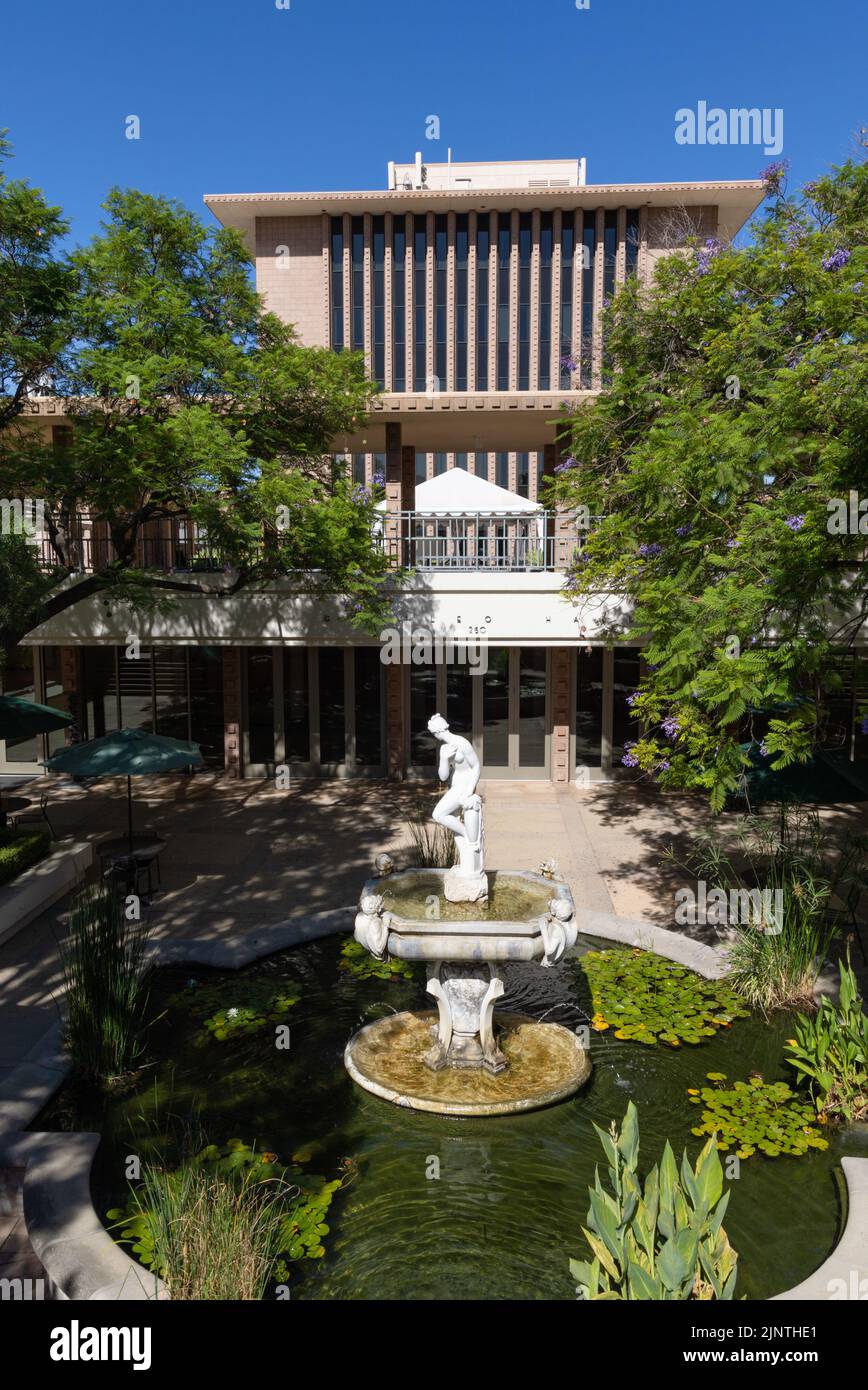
468	1059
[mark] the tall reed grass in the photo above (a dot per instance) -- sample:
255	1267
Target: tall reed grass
106	984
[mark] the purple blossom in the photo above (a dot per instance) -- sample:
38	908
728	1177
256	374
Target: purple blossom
764	749
632	698
858	285
565	465
864	725
684	530
671	727
664	766
712	248
378	479
649	550
629	758
774	174
733	544
569	363
837	260
359	495
795	523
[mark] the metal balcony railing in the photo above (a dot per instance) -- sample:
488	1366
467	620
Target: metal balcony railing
467	541
521	542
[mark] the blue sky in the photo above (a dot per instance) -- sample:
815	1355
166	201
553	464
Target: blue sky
240	96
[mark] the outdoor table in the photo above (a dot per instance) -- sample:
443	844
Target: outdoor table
139	853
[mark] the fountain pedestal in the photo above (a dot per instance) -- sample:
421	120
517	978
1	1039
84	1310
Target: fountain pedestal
465	995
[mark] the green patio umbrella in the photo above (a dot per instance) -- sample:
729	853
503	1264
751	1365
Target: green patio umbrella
126	753
23	718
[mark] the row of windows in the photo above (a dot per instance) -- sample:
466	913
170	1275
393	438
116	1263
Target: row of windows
580	350
368	469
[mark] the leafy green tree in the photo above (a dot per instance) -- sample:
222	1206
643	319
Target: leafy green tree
34	288
726	453
186	396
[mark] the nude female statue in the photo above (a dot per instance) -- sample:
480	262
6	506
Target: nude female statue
459	765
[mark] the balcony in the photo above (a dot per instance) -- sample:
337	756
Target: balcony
460	542
470	541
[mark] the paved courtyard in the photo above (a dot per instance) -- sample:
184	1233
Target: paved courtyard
241	855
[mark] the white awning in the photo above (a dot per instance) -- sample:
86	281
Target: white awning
459	493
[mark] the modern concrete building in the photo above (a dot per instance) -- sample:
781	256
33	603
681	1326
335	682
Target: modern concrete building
476	293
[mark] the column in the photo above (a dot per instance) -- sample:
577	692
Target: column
232	710
561	714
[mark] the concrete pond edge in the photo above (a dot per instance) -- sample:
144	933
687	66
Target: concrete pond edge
81	1260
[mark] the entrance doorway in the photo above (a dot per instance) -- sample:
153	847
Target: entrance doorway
504	711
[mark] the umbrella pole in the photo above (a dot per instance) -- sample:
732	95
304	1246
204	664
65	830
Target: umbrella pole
130	811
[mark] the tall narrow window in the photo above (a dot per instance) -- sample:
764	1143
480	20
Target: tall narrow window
421	467
504	245
399	305
357	283
522	483
483	248
481	464
337	283
441	253
610	262
296	705
332	704
461	461
501	470
378	247
632	247
420	250
439	464
368	682
525	243
359	469
568	243
461	244
589	252
545	302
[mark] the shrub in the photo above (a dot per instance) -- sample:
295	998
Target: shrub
756	1114
830	1051
20	849
649	999
778	967
225	1222
432	846
105	978
662	1240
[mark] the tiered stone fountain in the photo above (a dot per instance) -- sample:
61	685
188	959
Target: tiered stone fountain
465	923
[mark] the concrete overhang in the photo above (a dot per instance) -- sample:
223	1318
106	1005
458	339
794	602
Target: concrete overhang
736	200
450	420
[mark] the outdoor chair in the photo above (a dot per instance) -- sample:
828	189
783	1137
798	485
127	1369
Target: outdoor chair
35	813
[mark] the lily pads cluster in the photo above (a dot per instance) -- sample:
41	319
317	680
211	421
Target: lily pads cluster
757	1115
364	966
648	999
259	1004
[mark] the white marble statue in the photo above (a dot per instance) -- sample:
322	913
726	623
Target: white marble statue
459	766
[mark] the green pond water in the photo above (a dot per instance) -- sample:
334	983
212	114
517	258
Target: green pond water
505	1214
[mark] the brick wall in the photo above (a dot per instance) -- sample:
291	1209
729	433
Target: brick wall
291	279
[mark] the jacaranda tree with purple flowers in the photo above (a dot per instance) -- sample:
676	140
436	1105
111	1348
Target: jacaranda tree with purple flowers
737	409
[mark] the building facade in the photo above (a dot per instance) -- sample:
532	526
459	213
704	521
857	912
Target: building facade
476	293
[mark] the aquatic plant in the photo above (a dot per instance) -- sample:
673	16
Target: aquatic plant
355	958
225	1224
432	846
663	1239
259	1003
830	1052
792	860
649	999
105	985
756	1115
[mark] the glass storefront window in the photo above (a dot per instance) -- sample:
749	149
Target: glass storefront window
368	671
332	705
260	704
296	705
532	707
626	678
423	703
495	708
18	679
589	707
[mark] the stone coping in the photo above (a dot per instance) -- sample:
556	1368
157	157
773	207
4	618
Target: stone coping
82	1261
44	883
